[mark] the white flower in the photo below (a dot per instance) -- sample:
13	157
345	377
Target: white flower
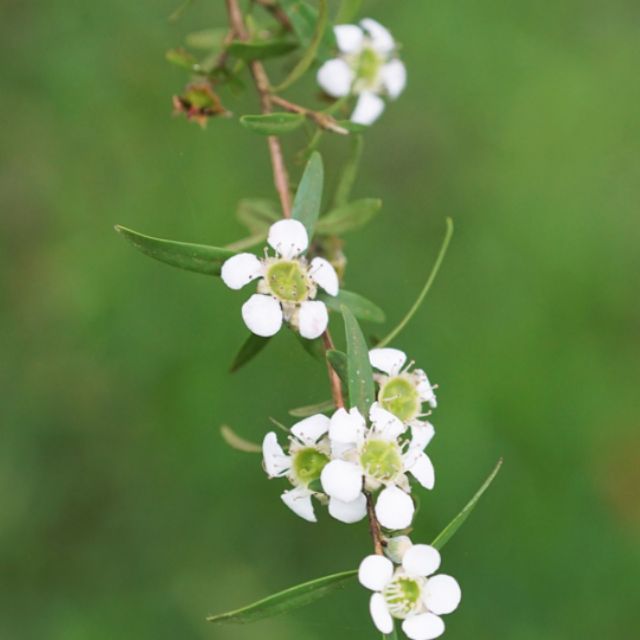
287	284
403	391
367	66
408	594
369	458
308	454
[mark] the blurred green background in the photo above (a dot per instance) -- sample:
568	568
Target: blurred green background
122	513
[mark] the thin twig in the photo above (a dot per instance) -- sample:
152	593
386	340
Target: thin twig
334	378
374	527
276	12
323	120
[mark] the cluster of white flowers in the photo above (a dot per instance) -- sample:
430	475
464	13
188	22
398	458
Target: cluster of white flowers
367	67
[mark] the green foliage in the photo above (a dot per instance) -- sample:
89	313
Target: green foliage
257	214
306	204
181	58
237	442
261	50
251	347
338	360
192	257
304	19
348	11
449	531
349	172
348	217
272	124
361	308
359	373
287	600
312	409
206	39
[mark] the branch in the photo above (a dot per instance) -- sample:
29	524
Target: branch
374	527
323	120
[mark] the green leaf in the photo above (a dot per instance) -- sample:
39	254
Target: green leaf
304	19
238	443
352	127
361	308
338	361
192	257
312	409
348	11
447	533
430	280
181	58
251	347
306	204
206	39
261	50
257	214
273	124
360	375
287	600
349	172
310	54
314	348
348	217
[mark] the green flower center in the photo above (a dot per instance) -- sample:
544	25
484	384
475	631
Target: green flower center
402	596
369	64
308	465
400	397
381	460
287	281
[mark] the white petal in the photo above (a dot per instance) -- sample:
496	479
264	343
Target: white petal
421	560
276	462
394	508
262	315
348	512
311	429
394	78
374	572
421	434
397	547
324	275
381	38
299	501
389	361
288	237
442	594
313	319
425	626
422	470
425	389
368	108
347	427
385	423
349	37
380	614
240	270
340	449
335	77
342	480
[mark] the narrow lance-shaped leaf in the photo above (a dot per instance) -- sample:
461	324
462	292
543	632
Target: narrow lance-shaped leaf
272	124
349	172
304	19
338	361
306	204
348	217
261	50
430	280
348	11
361	308
360	375
251	347
238	443
310	54
448	532
314	348
192	257
287	600
312	409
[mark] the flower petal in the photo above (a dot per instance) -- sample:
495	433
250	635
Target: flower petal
347	427
342	480
335	77
311	429
381	39
313	319
394	508
348	512
324	275
442	594
380	614
397	547
421	560
241	270
375	572
394	78
262	315
288	237
387	360
421	435
424	626
276	462
368	108
299	501
425	389
385	423
422	470
349	37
